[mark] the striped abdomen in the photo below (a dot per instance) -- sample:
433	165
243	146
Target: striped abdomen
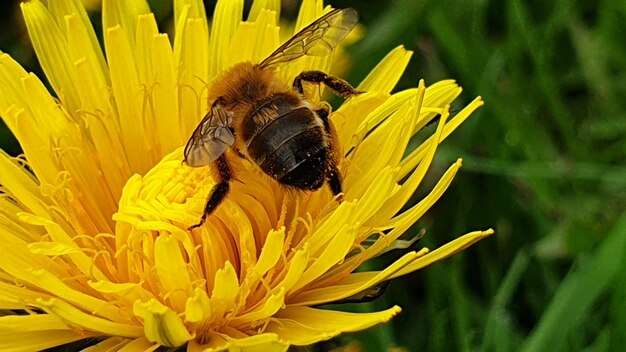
288	142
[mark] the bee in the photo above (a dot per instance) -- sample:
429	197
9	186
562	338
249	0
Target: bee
271	123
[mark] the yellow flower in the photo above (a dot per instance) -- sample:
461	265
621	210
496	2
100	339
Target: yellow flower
93	225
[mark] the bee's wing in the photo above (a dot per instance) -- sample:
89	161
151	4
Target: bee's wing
211	138
317	39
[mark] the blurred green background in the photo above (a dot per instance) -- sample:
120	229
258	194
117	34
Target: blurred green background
543	165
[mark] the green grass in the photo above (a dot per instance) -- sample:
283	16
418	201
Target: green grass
543	165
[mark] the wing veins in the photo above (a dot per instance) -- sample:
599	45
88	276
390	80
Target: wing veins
328	31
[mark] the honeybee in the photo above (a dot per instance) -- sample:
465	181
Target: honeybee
265	120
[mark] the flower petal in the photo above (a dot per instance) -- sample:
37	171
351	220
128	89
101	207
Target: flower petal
333	253
88	321
259	5
52	51
198	307
172	271
226	19
124	14
225	290
80	33
140	345
256	343
126	89
161	324
38	340
411	160
32	322
160	76
21	186
305	326
351	285
110	344
263	33
448	249
191	52
195	8
388	72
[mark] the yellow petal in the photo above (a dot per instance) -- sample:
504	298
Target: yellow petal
124	14
140	345
296	267
19	262
21	185
29	128
52	248
172	271
397	201
198	307
444	251
126	89
129	292
310	10
80	32
403	221
399	224
196	10
80	48
263	33
333	253
13	297
259	5
305	326
110	344
328	227
370	157
374	196
82	261
411	160
351	285
219	342
225	290
226	19
52	52
161	324
270	306
33	322
165	96
259	343
388	72
146	31
272	249
87	321
38	340
381	113
191	53
267	35
350	115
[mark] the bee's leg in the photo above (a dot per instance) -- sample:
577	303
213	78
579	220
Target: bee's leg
333	175
221	101
323	113
337	85
219	191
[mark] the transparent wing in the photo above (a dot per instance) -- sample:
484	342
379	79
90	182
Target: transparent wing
211	138
317	39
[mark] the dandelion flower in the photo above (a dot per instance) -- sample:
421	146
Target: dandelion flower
93	221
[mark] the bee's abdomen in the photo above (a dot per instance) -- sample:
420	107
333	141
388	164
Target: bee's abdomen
291	149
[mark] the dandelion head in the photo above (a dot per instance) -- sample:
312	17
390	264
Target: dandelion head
94	219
